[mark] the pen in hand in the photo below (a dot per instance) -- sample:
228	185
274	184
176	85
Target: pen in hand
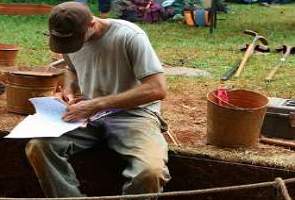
67	98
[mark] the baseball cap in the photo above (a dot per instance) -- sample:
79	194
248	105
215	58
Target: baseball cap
68	23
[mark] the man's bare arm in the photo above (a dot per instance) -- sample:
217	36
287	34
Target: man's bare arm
153	88
70	88
71	82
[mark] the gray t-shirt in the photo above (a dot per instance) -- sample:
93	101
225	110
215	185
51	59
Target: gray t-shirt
116	62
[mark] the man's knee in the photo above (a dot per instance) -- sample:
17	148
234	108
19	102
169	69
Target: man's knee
149	180
35	147
154	178
154	173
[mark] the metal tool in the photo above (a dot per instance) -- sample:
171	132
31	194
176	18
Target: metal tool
287	50
250	49
231	71
258	48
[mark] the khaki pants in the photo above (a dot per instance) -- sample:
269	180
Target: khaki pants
134	134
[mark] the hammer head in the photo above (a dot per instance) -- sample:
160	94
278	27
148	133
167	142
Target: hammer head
250	32
258	48
284	48
256	36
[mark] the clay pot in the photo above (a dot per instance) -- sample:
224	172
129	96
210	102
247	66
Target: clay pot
189	17
23	83
8	53
24	9
235	122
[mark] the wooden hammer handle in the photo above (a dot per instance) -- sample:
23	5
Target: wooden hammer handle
248	53
272	73
58	63
275	69
278	142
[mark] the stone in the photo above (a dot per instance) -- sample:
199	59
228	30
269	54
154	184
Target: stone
186	71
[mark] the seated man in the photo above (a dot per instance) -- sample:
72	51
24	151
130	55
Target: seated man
116	70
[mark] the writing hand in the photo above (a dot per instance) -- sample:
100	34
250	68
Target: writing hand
79	111
66	97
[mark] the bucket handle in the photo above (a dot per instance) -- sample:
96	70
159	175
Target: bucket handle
227	103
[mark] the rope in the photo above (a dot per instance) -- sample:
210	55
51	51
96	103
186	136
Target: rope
278	181
281	187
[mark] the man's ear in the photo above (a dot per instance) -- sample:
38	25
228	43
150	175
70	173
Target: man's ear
91	24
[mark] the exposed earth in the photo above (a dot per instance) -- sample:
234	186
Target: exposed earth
184	109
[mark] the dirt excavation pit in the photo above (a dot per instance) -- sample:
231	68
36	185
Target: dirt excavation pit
193	164
188	171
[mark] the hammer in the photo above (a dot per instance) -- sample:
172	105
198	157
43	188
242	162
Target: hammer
250	49
287	50
231	71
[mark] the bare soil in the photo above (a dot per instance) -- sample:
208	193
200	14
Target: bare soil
184	110
7	120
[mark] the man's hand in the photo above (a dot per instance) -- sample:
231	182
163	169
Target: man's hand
80	111
153	88
68	97
65	96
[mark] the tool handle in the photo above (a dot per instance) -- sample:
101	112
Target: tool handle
230	72
277	142
275	69
59	63
272	73
248	53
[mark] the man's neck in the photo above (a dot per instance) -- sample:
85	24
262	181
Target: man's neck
101	26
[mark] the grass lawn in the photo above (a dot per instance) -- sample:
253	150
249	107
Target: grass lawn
180	45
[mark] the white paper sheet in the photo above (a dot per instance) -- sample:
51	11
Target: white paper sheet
46	122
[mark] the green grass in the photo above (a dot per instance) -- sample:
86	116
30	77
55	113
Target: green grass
180	45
